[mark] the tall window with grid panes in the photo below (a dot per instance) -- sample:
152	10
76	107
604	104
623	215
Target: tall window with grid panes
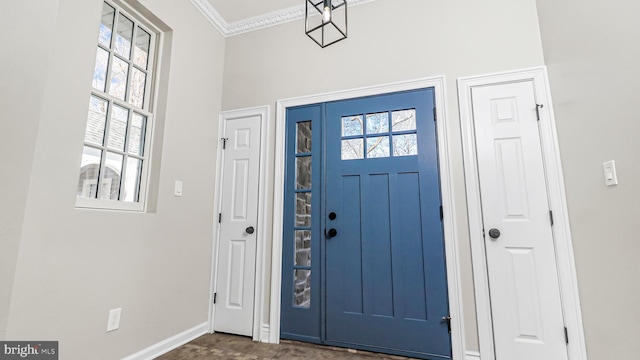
115	157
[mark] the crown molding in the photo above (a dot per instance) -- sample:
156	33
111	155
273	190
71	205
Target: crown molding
212	15
255	23
266	20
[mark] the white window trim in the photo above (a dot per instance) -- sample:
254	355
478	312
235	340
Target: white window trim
150	98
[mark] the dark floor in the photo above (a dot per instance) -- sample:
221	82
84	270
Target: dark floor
232	347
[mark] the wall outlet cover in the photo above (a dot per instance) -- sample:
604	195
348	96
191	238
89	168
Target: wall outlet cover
114	319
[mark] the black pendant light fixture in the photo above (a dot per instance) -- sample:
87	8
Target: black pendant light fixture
326	21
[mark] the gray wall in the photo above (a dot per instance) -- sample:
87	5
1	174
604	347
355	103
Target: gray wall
391	41
74	265
24	47
592	51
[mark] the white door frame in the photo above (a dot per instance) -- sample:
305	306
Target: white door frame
448	203
557	200
260	282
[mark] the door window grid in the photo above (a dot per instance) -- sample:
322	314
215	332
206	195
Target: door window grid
114	157
302	222
379	135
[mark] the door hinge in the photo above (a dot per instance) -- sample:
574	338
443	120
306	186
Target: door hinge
435	115
215	297
538	107
551	217
224	143
566	335
219	218
441	213
447	319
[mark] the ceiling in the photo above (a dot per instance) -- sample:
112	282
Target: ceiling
236	10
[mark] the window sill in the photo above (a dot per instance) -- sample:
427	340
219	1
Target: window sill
95	204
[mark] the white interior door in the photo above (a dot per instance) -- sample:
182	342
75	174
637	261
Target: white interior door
235	284
521	261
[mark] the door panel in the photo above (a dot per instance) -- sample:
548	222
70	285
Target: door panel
240	189
523	279
237	248
385	272
237	253
363	251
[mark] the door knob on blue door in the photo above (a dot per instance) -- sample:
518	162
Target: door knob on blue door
331	233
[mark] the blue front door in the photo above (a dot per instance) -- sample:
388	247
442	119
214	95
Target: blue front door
379	230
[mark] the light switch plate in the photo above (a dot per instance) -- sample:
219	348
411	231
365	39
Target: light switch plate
114	319
177	190
610	176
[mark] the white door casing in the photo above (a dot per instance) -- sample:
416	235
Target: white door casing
448	201
239	252
525	278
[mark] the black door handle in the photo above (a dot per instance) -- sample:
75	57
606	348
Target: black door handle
330	233
249	230
494	233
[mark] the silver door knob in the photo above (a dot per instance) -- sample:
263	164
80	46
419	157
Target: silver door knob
249	230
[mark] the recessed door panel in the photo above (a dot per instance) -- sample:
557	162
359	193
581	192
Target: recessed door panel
237	250
240	190
524	282
376	239
406	213
353	270
511	178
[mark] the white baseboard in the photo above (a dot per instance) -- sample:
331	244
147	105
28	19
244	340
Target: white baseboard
472	355
171	343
